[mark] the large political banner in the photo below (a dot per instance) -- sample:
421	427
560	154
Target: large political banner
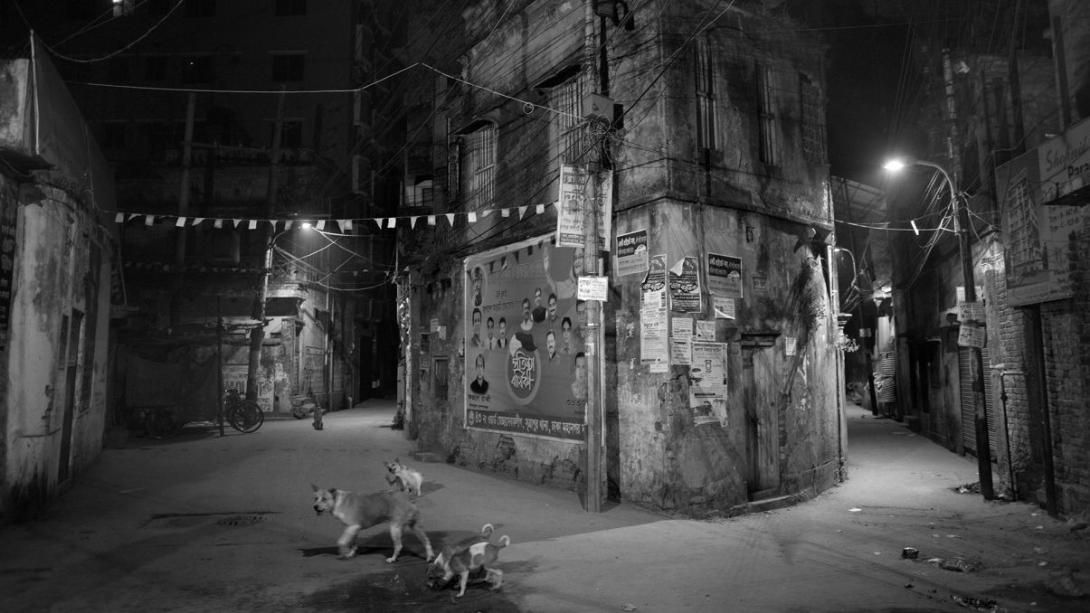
525	367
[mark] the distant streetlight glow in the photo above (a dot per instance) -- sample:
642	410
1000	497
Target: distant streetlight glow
894	165
306	225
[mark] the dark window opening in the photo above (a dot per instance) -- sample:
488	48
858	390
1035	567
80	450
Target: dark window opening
197	69
287	67
286	8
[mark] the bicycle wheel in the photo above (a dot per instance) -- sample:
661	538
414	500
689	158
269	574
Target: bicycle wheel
246	416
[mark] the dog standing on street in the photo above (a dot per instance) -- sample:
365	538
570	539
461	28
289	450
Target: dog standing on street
465	557
361	511
410	479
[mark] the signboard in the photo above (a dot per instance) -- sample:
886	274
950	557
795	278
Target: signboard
1064	162
707	387
593	288
571	208
724	275
970	335
525	372
631	253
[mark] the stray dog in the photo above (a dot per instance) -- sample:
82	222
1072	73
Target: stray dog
361	511
410	479
469	555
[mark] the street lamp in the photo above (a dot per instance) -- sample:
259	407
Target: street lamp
976	362
863	333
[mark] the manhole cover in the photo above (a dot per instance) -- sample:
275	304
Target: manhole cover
237	521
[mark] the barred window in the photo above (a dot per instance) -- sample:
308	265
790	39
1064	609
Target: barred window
478	167
813	125
766	117
706	121
567	140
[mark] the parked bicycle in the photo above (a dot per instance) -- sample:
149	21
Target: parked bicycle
244	415
165	421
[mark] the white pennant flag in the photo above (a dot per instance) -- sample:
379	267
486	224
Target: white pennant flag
197	220
522	211
288	224
149	220
321	224
133	216
487	212
540	209
450	219
120	217
412	222
237	222
218	223
346	224
378	220
505	212
391	223
472	217
180	223
431	220
253	225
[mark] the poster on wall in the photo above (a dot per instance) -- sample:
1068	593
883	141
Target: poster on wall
571	208
685	295
8	218
653	317
632	253
681	341
707	387
724	276
526	372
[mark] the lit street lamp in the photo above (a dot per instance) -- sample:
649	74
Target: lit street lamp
976	362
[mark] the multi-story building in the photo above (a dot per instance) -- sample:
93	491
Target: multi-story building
228	124
697	129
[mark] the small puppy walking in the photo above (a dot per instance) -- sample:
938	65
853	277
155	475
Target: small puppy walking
410	480
469	555
361	511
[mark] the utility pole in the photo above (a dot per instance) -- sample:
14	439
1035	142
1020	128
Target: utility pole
257	335
183	209
595	430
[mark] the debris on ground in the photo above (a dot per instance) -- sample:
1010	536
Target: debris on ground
629	607
978	604
968	488
957	564
854	510
910	553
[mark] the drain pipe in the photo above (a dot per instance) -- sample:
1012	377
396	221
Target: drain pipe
1007	429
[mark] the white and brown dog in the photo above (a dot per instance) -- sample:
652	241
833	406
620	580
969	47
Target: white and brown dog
361	511
408	479
467	556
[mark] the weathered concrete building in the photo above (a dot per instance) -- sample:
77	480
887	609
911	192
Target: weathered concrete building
57	244
222	138
719	369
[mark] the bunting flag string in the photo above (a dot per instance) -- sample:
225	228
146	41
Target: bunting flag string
341	225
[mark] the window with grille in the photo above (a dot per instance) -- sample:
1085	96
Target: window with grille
478	167
567	141
454	164
287	67
291	133
766	117
813	124
706	120
1024	249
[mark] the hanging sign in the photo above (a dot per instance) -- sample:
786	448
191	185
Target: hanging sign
571	212
631	253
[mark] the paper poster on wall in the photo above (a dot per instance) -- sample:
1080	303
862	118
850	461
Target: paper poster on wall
970	335
681	340
724	307
705	330
790	343
724	275
631	253
685	295
707	379
603	207
571	209
653	317
525	366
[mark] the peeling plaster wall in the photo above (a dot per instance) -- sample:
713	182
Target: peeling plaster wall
53	277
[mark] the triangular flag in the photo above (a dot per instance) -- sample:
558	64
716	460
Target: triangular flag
253	225
197	220
431	220
237	221
133	216
321	224
218	223
540	209
288	224
180	223
149	220
412	221
505	213
472	217
487	212
450	219
522	211
346	224
378	220
391	223
120	217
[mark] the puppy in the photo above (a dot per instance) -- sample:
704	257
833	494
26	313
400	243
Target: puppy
469	555
361	511
410	479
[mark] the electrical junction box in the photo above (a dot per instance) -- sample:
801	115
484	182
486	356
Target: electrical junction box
598	107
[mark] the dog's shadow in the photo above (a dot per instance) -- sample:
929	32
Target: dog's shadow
380	543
